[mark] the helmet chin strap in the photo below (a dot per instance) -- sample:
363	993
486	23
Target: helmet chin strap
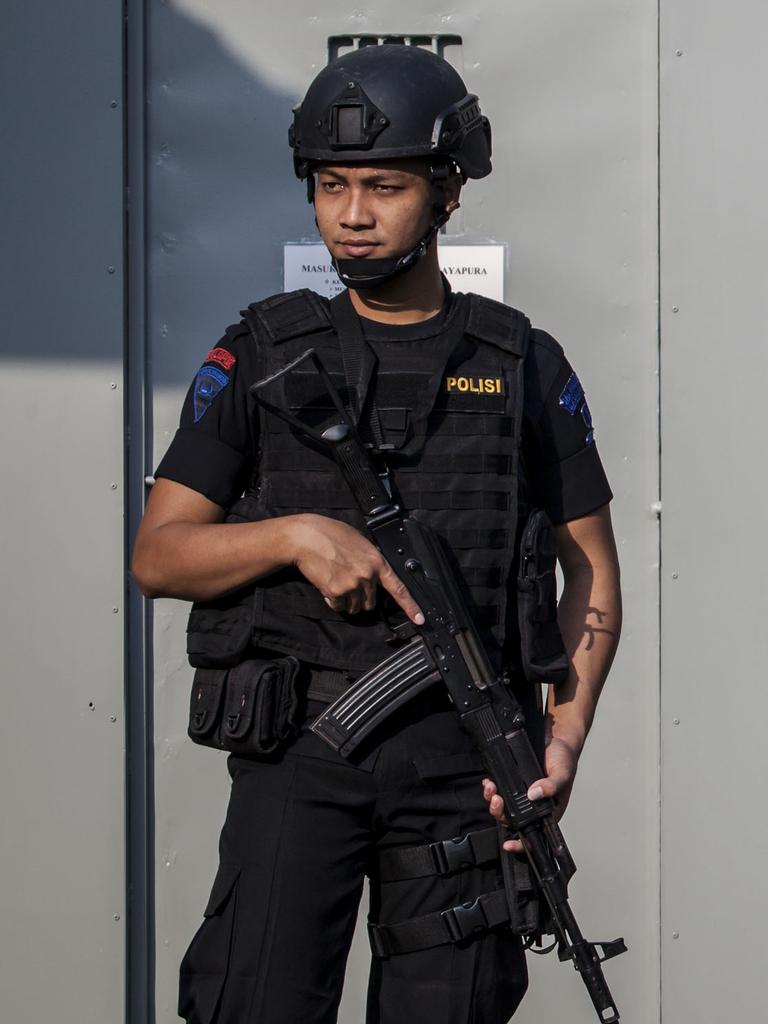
361	273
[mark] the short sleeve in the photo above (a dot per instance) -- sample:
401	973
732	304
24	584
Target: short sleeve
563	467
214	449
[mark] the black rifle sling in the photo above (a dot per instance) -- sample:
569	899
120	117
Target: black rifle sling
359	363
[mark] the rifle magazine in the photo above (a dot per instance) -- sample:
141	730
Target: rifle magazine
375	696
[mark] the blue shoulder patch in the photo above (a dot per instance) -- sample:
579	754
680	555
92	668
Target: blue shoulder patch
208	383
571	395
573	400
586	415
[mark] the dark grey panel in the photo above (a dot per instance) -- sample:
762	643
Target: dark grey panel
223	196
62	948
61	177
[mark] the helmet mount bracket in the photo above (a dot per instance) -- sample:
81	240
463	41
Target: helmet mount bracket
353	121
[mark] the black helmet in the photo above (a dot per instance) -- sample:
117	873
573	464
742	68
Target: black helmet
388	102
384	103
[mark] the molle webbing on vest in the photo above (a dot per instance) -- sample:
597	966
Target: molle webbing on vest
292	315
420	494
292	461
455	468
499	324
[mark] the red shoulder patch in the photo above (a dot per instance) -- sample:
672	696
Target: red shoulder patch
222	357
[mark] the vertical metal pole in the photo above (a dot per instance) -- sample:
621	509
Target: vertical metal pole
660	498
140	944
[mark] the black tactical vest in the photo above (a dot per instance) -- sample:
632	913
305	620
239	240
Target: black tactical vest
454	459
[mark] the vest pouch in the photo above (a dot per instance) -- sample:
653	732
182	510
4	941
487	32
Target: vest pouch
260	705
248	709
543	655
205	704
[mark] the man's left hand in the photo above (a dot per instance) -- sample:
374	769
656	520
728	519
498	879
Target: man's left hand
560	762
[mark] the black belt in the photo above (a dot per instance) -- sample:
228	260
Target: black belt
327	684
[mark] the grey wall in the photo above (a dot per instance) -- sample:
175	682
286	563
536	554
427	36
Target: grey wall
573	91
714	309
62	840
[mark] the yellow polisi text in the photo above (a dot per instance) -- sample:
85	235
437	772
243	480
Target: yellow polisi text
475	385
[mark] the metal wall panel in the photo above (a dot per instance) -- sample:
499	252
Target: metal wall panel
61	731
571	90
714	307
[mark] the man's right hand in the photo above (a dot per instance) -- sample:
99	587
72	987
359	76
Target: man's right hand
183	549
345	566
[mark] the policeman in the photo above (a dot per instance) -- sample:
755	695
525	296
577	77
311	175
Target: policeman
479	419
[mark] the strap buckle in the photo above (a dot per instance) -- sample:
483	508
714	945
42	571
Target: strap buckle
452	854
465	919
378	941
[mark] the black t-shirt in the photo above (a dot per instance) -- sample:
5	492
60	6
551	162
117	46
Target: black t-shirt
216	445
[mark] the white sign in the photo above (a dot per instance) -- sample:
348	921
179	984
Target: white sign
308	265
474	268
469	268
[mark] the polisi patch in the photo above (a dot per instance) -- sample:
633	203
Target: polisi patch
221	356
475	385
208	383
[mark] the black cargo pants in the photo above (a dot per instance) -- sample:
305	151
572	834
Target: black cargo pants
301	832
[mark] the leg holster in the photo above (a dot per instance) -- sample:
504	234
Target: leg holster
523	895
516	905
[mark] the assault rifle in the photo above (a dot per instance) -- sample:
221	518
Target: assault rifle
448	649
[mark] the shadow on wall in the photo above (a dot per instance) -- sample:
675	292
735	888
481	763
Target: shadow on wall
221	198
222	193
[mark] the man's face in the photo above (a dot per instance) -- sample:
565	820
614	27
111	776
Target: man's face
381	210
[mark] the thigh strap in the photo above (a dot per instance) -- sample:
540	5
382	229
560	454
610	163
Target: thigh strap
444	926
441	858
